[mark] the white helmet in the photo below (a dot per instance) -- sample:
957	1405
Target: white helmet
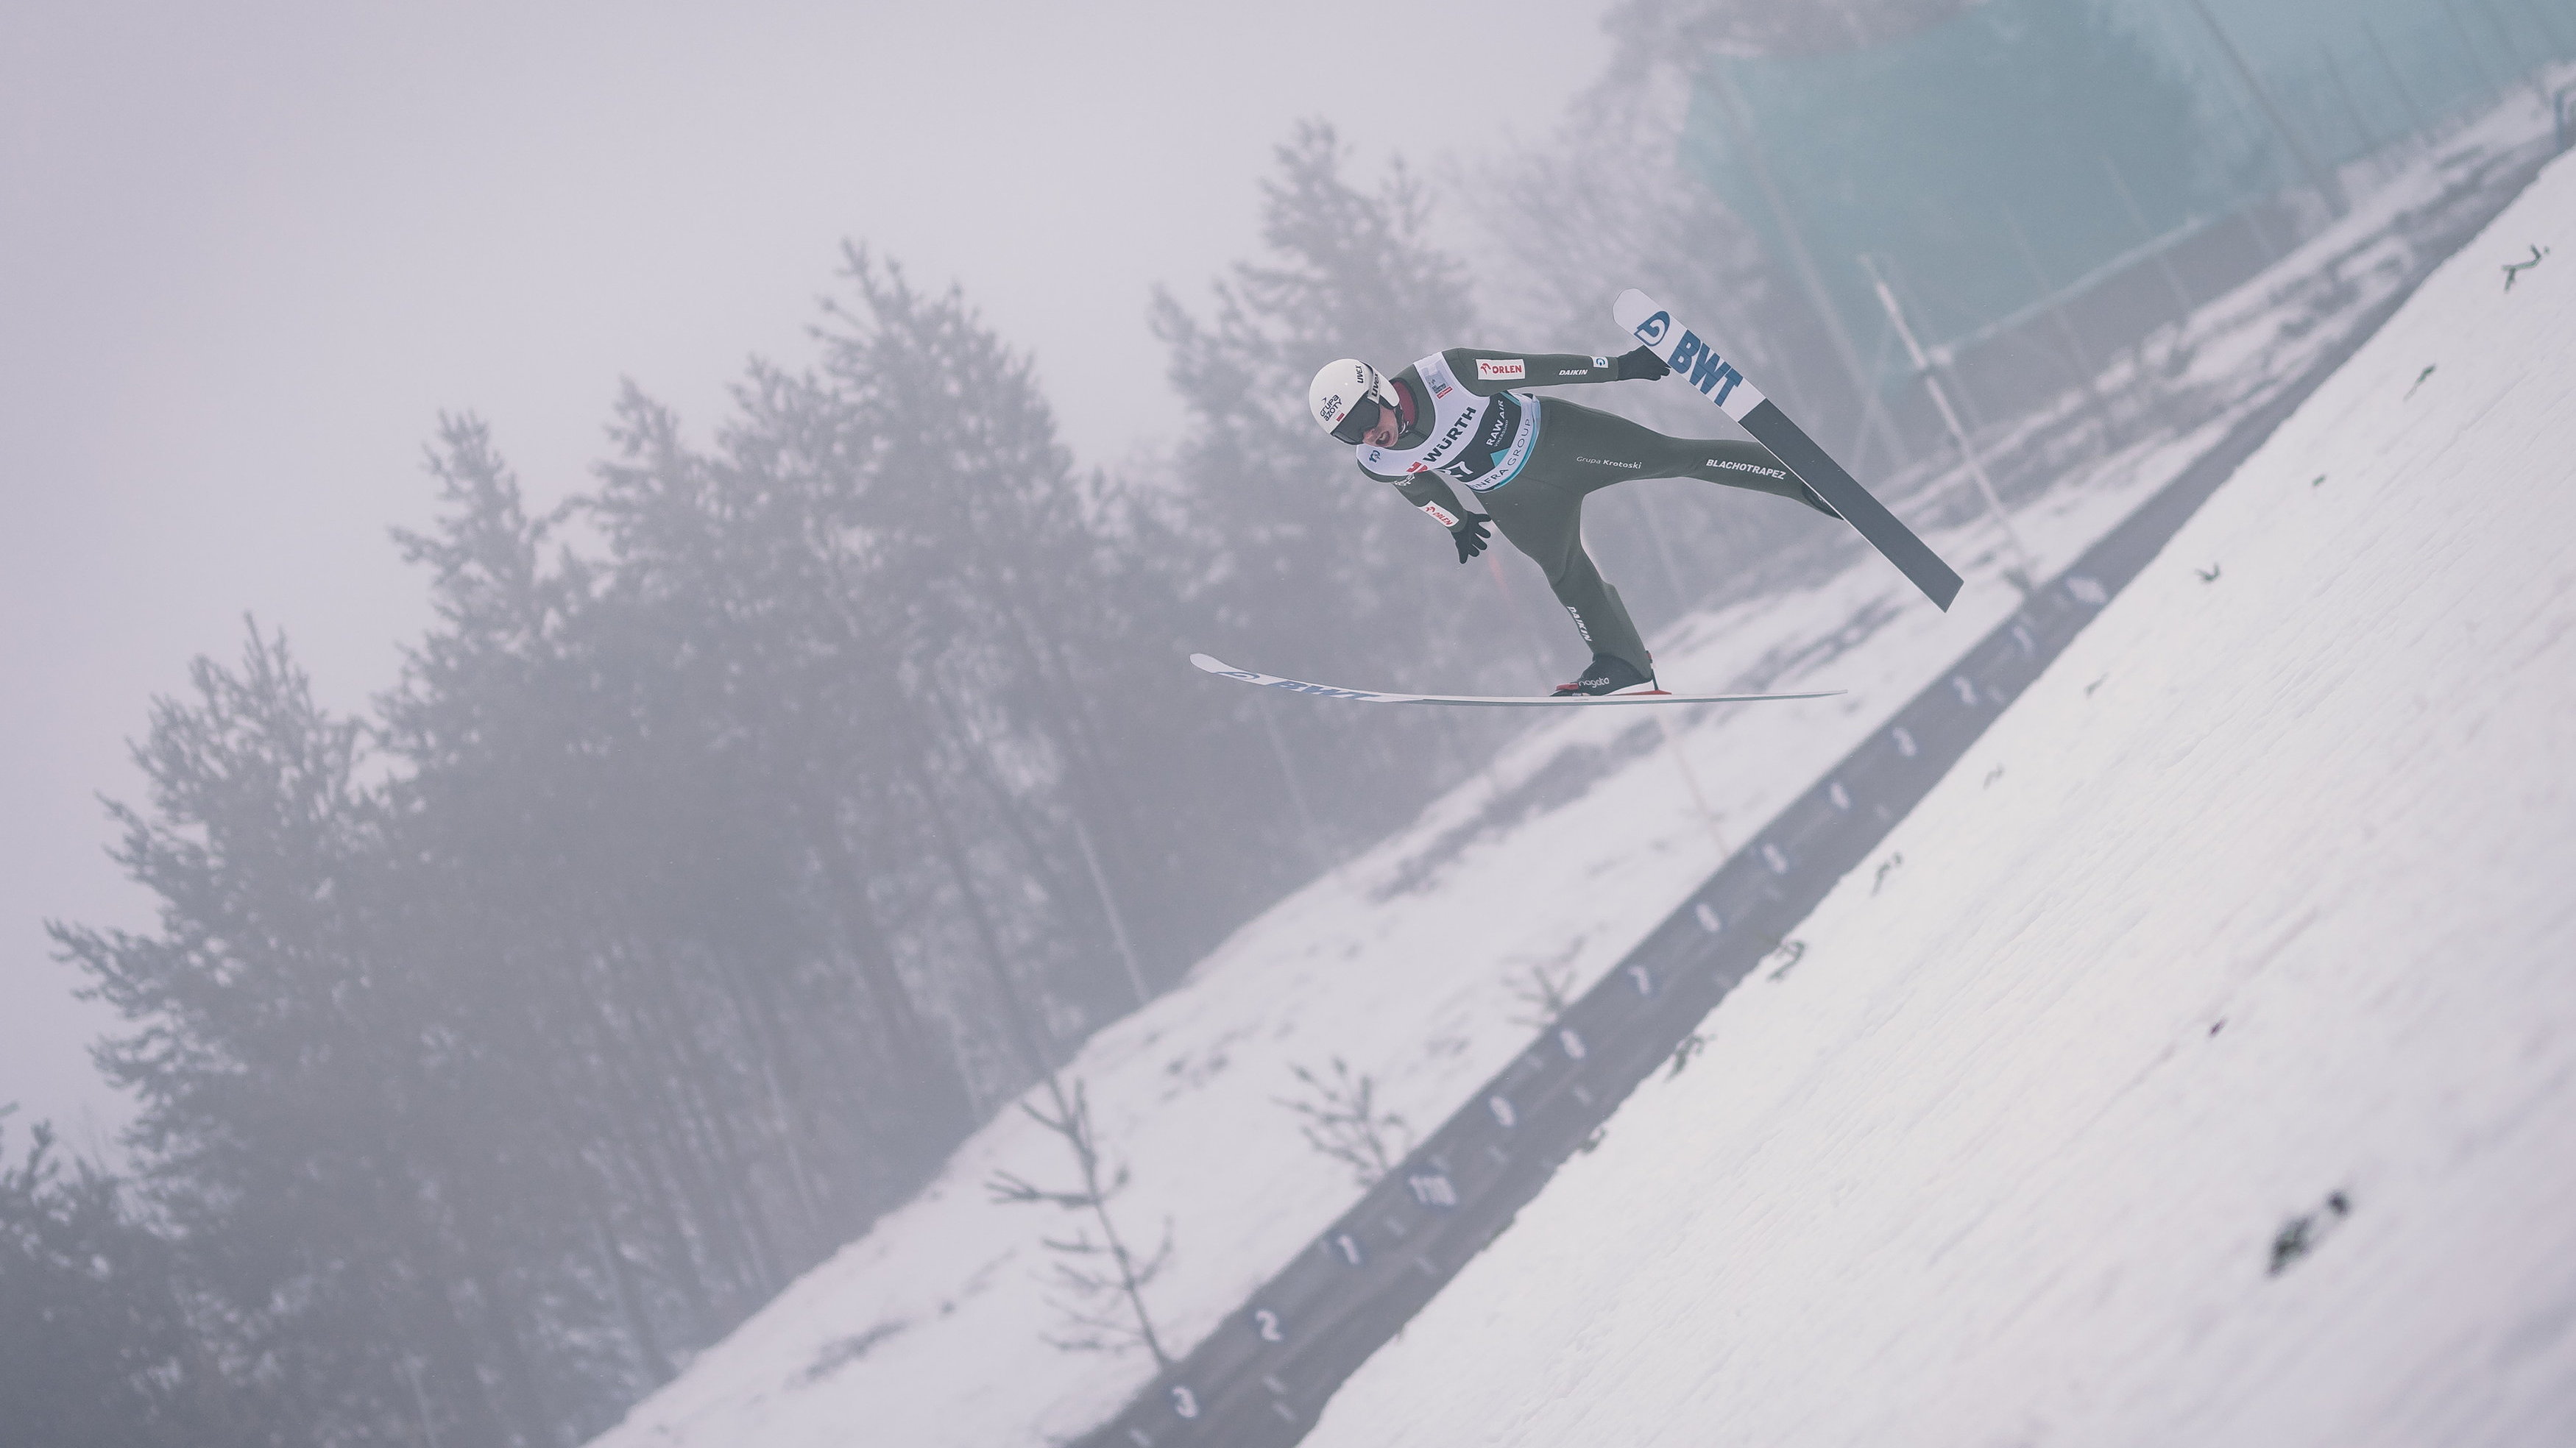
1346	396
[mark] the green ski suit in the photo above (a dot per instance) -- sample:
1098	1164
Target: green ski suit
1531	461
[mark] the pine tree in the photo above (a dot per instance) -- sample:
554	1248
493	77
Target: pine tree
97	1345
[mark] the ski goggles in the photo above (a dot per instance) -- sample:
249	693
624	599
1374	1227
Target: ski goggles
1355	424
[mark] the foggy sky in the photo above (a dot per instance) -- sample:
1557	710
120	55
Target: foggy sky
247	257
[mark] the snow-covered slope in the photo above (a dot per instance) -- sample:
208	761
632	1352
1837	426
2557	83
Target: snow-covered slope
1409	963
2256	908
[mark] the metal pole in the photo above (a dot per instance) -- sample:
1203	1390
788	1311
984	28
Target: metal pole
2469	48
2318	176
2557	39
2360	125
1871	407
1948	366
419	1399
2082	364
2539	87
2397	83
1740	127
2146	233
1109	907
1950	419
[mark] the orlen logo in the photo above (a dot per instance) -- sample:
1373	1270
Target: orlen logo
1652	330
1508	369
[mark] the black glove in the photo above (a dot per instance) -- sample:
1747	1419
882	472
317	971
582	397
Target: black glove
1641	365
1469	534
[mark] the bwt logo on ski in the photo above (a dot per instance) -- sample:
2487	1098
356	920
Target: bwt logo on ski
1698	361
1652	330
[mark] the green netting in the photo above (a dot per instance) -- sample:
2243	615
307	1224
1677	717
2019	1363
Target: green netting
1986	155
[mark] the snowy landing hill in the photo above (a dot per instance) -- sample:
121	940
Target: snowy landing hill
1416	963
2197	1064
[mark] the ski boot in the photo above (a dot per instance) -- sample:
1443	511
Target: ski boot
1607	674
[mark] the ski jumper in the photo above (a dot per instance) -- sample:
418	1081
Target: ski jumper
1532	460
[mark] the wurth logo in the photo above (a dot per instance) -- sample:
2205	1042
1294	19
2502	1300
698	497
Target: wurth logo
1458	429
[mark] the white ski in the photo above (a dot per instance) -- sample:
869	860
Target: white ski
1225	670
1696	361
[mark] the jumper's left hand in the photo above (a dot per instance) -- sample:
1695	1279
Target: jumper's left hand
1642	365
1469	534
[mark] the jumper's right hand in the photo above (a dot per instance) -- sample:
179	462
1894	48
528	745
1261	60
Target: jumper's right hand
1641	365
1469	534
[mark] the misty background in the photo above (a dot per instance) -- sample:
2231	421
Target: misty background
254	253
724	501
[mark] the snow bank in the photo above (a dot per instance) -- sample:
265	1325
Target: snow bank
2254	905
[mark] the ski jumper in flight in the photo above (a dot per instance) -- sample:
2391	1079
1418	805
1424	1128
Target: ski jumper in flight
1465	416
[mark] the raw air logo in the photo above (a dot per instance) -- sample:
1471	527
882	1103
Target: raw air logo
1508	369
1652	330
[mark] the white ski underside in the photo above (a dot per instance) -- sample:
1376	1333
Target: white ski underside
1225	670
